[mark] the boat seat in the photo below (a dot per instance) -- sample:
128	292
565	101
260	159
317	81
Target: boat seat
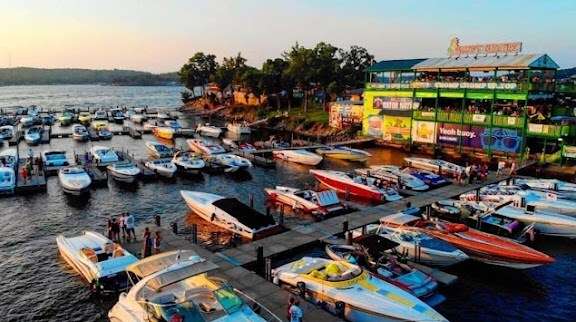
90	254
118	251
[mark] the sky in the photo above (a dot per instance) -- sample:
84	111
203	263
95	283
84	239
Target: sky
160	35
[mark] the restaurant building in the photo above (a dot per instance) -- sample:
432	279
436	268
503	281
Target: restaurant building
489	99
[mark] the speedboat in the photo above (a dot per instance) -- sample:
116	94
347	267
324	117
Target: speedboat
246	147
33	135
188	162
238	128
299	156
175	286
9	158
173	124
104	155
84	118
66	118
159	150
228	213
117	115
164	132
6	132
163	167
209	130
55	159
378	255
100	115
27	121
428	177
98	125
306	201
74	180
563	188
80	133
480	246
344	153
124	171
230	162
105	134
356	185
8	167
435	165
229	143
348	290
97	259
545	222
138	118
204	147
395	175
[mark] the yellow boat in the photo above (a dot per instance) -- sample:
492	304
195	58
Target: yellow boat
84	118
344	153
99	125
164	132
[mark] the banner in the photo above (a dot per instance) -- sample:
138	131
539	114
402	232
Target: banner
500	139
423	132
453	134
344	115
392	103
569	151
396	128
375	126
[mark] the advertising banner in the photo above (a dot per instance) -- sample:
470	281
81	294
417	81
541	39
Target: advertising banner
375	126
453	134
500	139
423	132
569	151
345	115
391	103
396	128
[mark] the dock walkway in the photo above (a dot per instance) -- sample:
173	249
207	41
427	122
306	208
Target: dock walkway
317	146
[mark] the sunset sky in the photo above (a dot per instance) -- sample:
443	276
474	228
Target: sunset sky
159	36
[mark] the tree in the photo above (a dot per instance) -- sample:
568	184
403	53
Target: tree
198	70
251	80
230	71
299	60
273	79
326	68
355	61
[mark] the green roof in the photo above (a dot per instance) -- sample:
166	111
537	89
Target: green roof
394	65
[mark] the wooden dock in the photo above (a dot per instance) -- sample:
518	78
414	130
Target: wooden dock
98	176
132	132
317	146
258	160
36	181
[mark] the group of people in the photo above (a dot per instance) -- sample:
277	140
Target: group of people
33	165
121	226
473	173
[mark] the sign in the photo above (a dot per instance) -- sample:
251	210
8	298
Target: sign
480	118
453	134
343	115
396	128
375	126
423	131
456	49
499	139
392	103
569	151
463	85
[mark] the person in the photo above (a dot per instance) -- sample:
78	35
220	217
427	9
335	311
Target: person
501	166
129	224
147	239
513	168
294	311
115	229
109	228
24	173
29	168
156	242
122	222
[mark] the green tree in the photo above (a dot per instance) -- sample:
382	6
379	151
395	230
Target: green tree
273	79
355	61
300	60
230	71
326	68
197	71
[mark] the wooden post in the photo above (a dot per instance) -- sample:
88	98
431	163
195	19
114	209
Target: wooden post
268	269
281	218
260	259
345	226
251	199
195	234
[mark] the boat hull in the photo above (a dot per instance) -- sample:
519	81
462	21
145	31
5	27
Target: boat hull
127	178
349	188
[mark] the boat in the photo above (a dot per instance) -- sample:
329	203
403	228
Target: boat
124	171
204	147
247	148
318	203
7	180
428	177
435	165
378	255
164	132
80	133
229	143
47	119
158	150
138	118
98	125
229	213
173	124
55	159
104	155
480	246
208	130
238	128
6	132
188	162
105	134
230	162
395	175
27	121
298	156
97	259
66	118
545	222
100	115
33	135
562	188
175	286
344	153
356	185
9	158
74	180
84	118
163	167
349	291
117	115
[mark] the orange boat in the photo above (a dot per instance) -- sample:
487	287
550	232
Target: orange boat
483	247
164	132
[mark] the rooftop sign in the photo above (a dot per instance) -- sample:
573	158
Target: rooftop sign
456	49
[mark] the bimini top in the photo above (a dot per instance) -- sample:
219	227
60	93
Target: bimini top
394	65
245	215
523	61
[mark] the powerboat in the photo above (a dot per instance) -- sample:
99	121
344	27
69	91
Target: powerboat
435	165
98	125
204	147
428	177
66	118
104	155
8	167
117	115
545	222
344	153
247	148
100	115
33	135
124	171
209	130
349	291
175	286
306	201
105	134
80	133
74	180
228	213
163	167
6	132
395	175
298	156
138	118
229	143
97	259
28	120
188	162
480	246
84	118
9	158
356	185
377	254
55	159
238	128
563	188
166	133
230	162
173	124
159	150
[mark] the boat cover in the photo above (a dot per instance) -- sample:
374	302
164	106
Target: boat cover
244	214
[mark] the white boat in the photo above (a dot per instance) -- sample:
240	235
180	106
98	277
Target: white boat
209	130
100	261
545	222
173	124
344	153
204	147
163	167
9	158
104	155
230	162
394	175
239	128
348	290
74	180
563	188
247	148
299	156
188	162
8	167
33	135
124	171
100	115
227	142
228	213
117	115
435	165
6	132
175	286
158	150
307	201
80	133
55	159
138	118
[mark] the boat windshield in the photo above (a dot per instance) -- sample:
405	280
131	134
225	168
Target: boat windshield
336	272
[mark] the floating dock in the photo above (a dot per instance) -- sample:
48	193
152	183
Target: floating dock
36	181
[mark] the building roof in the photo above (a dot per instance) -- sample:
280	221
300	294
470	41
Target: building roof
394	65
524	61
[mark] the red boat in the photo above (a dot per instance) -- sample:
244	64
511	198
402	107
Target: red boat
487	248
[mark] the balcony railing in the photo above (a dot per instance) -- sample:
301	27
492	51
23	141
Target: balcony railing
424	115
512	86
548	130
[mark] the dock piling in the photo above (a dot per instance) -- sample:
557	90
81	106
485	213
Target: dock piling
268	269
174	226
260	259
345	226
195	234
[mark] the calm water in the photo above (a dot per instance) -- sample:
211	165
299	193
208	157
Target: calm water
35	284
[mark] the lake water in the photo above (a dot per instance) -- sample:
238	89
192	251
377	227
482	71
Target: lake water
36	285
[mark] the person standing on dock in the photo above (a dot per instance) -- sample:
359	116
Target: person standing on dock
115	229
122	222
129	223
295	313
501	166
147	238
156	243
